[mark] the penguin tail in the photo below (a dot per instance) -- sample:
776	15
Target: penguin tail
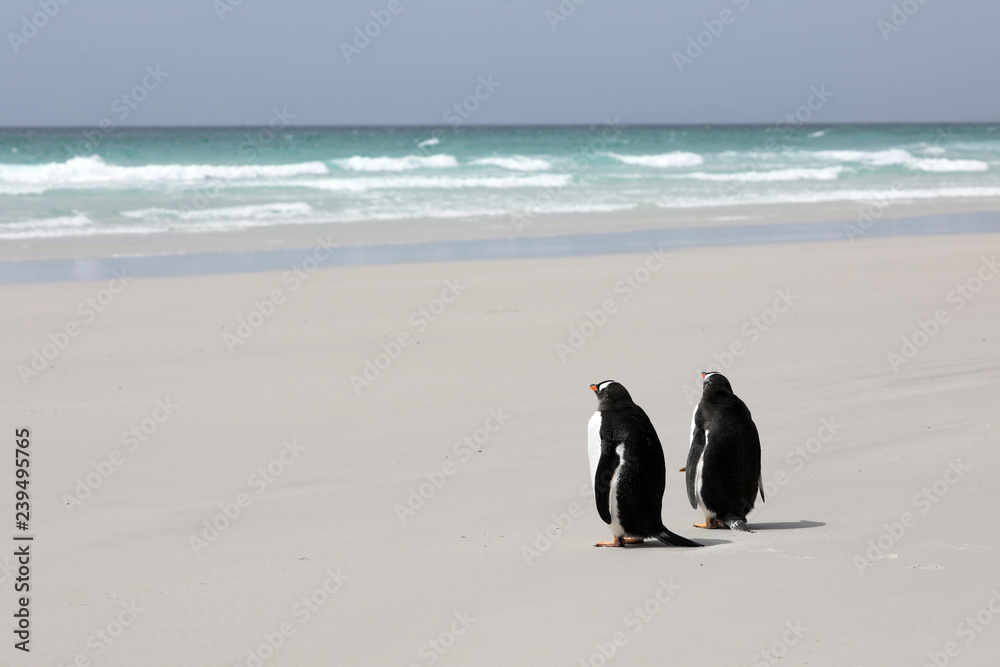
737	523
675	540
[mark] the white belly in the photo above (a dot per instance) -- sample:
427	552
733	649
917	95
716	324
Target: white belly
594	444
709	514
616	526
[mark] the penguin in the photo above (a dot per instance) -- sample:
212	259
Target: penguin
723	464
627	469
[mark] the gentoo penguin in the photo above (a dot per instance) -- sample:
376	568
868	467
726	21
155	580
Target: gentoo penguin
723	465
627	469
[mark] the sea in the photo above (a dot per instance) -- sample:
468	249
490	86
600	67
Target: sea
75	182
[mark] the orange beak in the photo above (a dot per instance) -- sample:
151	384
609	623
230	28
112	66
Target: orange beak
703	374
594	387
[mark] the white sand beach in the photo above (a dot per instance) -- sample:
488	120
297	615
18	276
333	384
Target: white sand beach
437	511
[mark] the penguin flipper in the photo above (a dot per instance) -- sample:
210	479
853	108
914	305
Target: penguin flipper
760	485
694	455
675	540
606	468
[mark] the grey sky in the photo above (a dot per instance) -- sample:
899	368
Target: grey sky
607	58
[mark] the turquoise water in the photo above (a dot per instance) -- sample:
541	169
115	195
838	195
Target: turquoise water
76	182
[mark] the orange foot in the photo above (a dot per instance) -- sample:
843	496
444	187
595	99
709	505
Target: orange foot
634	540
613	543
715	523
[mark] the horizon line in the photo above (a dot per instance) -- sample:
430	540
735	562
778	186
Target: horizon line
507	126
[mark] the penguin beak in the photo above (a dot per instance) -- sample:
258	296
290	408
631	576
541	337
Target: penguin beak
594	387
703	374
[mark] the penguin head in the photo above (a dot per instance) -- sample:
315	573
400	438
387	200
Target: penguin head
715	383
611	395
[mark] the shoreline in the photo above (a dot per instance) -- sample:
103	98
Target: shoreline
412	230
329	250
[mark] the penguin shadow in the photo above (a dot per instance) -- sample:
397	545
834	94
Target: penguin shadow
785	525
653	543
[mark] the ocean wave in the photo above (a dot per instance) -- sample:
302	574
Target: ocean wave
944	165
433	141
94	172
363	163
364	184
827	196
820	174
431	211
515	163
899	156
61	226
664	160
284	210
46	227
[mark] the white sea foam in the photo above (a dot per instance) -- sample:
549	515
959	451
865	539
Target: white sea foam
943	165
880	158
433	141
364	184
62	225
899	156
753	197
77	224
363	163
429	209
664	160
93	172
820	174
515	163
277	210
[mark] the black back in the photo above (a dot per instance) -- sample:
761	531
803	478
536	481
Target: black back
642	480
731	467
